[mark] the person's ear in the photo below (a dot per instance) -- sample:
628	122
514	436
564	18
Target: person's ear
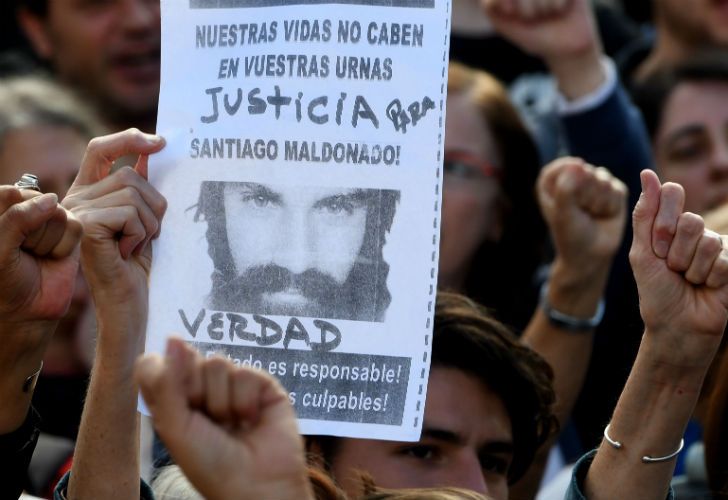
36	29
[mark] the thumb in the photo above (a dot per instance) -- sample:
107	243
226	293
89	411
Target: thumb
103	151
643	216
21	219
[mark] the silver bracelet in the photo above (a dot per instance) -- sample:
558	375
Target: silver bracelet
617	445
562	320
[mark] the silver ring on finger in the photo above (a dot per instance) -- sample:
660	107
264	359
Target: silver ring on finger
28	181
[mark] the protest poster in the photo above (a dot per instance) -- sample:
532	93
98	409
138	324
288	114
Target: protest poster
303	177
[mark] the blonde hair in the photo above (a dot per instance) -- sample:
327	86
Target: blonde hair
32	101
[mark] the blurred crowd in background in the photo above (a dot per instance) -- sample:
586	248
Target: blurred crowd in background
554	110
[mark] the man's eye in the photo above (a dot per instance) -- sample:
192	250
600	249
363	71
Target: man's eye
421	452
494	464
259	200
337	205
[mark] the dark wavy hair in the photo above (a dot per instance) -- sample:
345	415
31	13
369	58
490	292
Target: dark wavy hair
502	272
367	297
467	337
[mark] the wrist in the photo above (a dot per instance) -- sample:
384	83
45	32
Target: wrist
118	346
579	74
576	291
677	358
21	358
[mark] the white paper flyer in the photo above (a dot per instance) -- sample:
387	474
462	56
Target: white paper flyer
303	176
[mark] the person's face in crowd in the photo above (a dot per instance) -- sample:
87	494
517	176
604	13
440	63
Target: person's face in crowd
296	244
696	21
691	144
54	155
466	442
471	190
107	48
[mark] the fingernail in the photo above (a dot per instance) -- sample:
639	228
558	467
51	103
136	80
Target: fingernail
47	201
661	249
154	139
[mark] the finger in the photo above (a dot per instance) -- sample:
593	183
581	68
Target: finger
123	178
31	241
10	195
246	387
643	216
70	239
551	172
217	392
130	196
122	223
718	276
546	182
688	232
21	219
196	384
591	191
192	379
621	194
142	166
672	201
161	384
608	194
55	227
707	251
572	180
103	151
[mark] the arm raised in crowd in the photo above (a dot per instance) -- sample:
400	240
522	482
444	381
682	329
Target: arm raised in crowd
222	421
601	124
584	208
38	265
561	32
682	277
120	212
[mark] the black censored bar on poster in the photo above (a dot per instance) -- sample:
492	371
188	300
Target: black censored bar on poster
237	4
336	386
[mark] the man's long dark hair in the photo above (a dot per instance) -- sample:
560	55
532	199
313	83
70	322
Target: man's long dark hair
365	294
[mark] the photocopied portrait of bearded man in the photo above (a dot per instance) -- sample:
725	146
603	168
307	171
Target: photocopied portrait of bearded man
308	251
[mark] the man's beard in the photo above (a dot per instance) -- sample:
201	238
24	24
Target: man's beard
263	290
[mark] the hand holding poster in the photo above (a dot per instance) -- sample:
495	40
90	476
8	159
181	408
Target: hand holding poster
302	174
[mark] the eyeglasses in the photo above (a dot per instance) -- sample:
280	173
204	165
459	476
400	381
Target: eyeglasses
465	166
